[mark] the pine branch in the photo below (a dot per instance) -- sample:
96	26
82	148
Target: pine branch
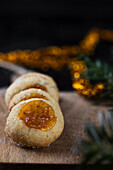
96	72
99	148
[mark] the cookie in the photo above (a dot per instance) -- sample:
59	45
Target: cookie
32	80
29	94
35	123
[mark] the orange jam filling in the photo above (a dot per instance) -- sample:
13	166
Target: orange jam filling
38	114
37	86
32	95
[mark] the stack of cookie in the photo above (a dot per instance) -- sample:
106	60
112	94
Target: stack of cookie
35	118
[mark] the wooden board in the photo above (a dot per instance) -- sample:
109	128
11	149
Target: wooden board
76	111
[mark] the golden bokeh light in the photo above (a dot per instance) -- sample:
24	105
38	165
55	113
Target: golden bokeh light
58	58
76	75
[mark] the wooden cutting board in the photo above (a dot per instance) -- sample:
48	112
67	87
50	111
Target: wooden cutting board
76	111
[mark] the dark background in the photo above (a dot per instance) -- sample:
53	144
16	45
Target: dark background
41	23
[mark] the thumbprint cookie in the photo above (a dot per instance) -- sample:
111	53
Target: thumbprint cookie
35	118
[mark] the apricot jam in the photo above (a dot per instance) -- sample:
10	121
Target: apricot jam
36	86
32	95
38	114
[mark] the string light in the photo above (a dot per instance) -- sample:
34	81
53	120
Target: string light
58	58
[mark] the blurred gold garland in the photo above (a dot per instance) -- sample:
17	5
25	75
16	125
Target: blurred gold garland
57	58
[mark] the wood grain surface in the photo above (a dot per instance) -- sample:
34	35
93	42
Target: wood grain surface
76	111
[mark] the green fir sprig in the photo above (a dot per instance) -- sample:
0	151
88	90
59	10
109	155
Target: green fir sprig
98	148
98	71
